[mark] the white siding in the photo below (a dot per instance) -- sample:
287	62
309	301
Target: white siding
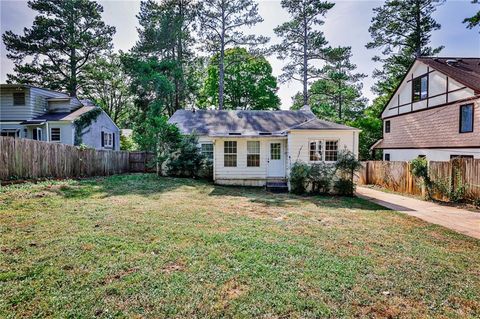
437	84
9	112
431	154
92	135
241	171
298	143
66	132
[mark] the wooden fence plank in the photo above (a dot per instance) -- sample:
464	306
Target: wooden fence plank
396	176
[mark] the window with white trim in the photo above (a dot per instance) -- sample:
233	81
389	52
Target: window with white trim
230	153
107	139
253	153
316	151
207	151
55	134
331	151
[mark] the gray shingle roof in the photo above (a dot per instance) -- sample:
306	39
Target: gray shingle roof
62	116
248	123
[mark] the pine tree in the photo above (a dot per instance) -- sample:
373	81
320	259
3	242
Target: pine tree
302	43
337	96
473	21
66	35
221	23
402	28
165	34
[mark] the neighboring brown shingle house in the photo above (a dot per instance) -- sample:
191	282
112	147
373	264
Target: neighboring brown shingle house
434	112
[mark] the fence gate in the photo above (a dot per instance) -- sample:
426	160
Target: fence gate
140	162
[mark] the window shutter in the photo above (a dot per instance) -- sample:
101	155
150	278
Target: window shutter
113	141
102	139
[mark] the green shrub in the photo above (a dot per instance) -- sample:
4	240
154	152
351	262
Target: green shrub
344	187
454	192
346	166
419	169
299	174
187	159
320	178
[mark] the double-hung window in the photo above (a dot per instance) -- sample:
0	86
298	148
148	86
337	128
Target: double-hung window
107	139
331	151
230	153
19	98
466	118
387	126
253	153
420	88
55	134
207	151
316	151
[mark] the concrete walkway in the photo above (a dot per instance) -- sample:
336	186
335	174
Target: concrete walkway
459	220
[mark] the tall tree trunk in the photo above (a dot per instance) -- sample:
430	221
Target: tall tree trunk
305	61
418	31
340	100
72	90
221	66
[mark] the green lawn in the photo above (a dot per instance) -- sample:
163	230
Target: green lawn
141	246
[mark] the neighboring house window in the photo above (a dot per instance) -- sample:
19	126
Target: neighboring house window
207	151
18	99
11	133
253	153
275	151
387	157
107	139
37	134
420	88
230	154
315	151
55	134
331	151
466	118
387	126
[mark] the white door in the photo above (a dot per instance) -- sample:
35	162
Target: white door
276	162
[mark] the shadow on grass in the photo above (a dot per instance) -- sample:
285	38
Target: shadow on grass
150	185
261	196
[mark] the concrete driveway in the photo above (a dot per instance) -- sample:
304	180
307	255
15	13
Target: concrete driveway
459	220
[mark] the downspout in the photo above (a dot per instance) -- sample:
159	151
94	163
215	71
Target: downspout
214	158
47	135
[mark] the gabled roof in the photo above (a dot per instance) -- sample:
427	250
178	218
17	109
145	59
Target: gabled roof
60	116
248	123
463	70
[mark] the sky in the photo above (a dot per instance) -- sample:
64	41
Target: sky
345	25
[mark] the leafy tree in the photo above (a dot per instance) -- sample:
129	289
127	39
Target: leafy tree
108	86
156	135
403	30
150	84
64	38
473	21
338	95
165	36
222	22
302	43
249	83
371	125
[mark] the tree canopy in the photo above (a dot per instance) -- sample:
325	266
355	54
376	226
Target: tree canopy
64	38
249	83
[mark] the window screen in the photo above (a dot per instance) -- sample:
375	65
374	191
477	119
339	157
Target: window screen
230	154
253	153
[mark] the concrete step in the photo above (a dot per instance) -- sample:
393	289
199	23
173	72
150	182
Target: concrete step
277	187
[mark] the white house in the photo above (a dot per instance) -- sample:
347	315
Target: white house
252	147
434	112
41	114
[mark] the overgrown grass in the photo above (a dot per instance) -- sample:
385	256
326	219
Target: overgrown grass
140	246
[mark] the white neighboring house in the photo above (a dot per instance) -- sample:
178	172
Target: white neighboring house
252	147
41	114
434	112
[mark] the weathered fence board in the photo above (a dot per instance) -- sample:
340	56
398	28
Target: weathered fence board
396	176
141	162
29	159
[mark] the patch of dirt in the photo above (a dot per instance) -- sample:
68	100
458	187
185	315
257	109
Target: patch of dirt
232	290
119	276
173	267
11	250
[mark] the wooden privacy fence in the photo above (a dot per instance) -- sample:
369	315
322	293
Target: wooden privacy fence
29	159
396	176
141	162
